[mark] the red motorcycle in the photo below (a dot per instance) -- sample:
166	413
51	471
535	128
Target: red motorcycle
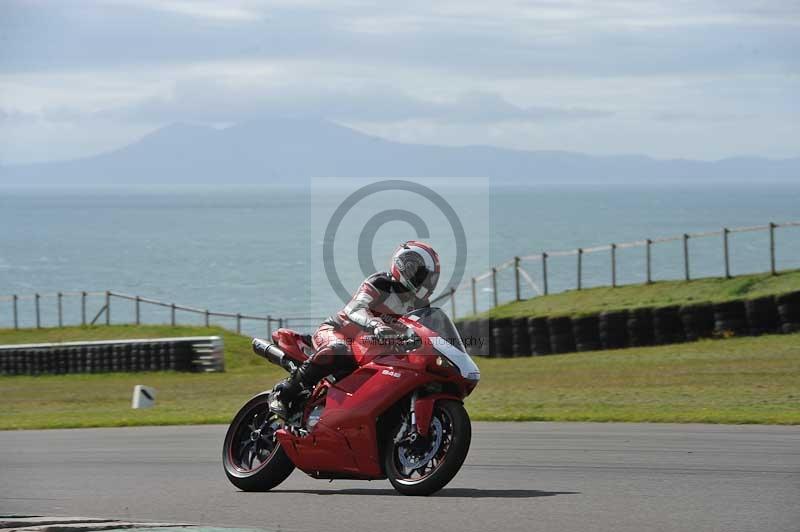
398	415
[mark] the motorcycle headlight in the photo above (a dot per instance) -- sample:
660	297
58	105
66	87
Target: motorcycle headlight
443	365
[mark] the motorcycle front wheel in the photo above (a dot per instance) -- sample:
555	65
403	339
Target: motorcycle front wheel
251	454
426	466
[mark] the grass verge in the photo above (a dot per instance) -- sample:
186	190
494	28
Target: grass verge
739	380
659	294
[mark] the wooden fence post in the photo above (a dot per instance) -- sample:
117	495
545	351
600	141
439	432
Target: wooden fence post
613	265
14	299
725	232
60	311
474	298
544	272
686	256
494	285
772	249
580	267
38	317
647	261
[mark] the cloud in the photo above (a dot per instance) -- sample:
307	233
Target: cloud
225	11
211	101
542	38
676	116
12	116
706	75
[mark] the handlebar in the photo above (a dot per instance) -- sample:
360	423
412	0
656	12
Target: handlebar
402	343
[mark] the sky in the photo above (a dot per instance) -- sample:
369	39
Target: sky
701	79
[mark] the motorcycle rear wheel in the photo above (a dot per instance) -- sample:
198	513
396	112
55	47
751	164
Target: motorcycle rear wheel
251	454
450	424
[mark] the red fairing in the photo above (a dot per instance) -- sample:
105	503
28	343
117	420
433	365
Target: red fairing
344	443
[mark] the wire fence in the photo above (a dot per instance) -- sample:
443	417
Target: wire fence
99	308
524	278
49	309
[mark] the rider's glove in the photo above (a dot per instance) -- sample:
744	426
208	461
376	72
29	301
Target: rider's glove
384	332
381	330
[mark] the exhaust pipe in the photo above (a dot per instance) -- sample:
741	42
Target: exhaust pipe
272	353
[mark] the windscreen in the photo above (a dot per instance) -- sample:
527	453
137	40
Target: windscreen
436	320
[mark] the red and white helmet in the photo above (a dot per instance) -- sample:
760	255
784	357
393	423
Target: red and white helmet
415	265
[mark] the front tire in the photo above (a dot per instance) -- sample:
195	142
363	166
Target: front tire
251	455
427	470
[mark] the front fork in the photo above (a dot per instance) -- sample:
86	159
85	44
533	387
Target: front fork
413	409
420	415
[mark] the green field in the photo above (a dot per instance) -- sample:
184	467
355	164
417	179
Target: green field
660	294
741	380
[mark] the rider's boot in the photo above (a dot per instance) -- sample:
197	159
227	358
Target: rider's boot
286	391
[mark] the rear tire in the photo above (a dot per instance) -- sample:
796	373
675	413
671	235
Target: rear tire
452	419
251	455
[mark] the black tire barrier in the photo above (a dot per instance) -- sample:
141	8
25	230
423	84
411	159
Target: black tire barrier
539	335
586	332
116	355
640	327
762	316
697	321
501	334
63	361
613	328
147	357
179	354
158	355
31	366
470	336
730	319
667	327
483	337
183	356
89	368
790	328
789	312
105	359
520	338
164	357
128	365
172	361
135	358
561	338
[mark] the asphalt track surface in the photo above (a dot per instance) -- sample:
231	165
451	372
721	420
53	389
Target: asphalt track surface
518	476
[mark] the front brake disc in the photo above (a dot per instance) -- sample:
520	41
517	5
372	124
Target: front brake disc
412	461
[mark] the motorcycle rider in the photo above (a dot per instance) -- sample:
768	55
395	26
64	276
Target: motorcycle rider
380	299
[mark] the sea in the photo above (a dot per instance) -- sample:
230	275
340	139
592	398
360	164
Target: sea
283	250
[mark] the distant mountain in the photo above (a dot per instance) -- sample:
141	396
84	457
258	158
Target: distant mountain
285	150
